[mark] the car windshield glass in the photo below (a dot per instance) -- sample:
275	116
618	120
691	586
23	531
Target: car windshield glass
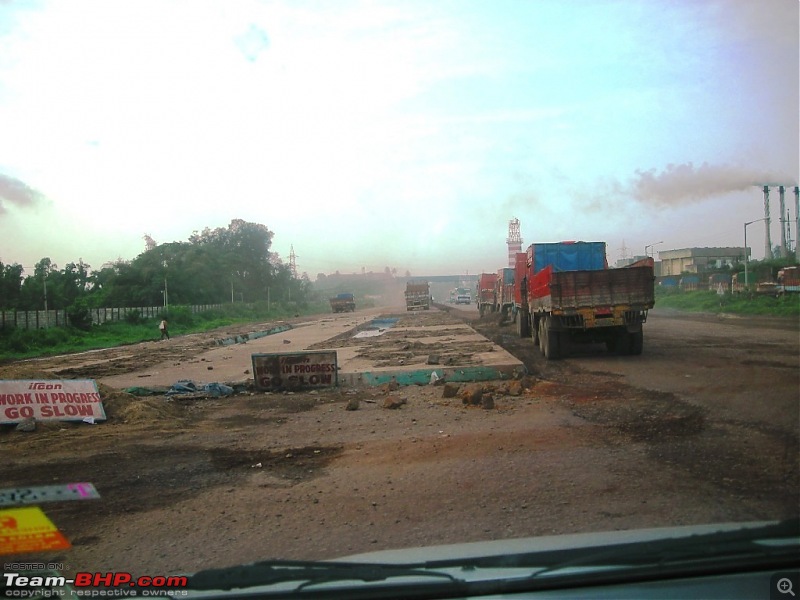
474	290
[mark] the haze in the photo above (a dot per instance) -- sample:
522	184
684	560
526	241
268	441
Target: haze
402	134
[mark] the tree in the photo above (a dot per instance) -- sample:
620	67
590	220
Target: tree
10	285
41	288
243	250
209	268
75	282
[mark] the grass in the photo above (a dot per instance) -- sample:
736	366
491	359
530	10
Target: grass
16	344
710	302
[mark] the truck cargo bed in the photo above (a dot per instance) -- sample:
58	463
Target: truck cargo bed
569	291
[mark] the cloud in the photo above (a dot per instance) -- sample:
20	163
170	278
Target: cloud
13	191
681	184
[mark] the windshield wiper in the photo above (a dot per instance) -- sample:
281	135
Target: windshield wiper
723	545
308	572
746	548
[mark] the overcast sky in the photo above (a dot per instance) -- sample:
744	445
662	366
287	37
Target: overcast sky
402	134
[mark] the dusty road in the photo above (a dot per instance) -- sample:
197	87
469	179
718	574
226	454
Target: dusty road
703	427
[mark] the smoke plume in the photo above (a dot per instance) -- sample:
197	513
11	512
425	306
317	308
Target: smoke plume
680	184
13	191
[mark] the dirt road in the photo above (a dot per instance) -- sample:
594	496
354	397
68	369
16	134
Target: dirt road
703	427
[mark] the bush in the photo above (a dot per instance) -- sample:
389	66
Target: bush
179	315
134	317
80	316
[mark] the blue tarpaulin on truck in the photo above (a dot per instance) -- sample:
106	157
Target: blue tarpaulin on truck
568	256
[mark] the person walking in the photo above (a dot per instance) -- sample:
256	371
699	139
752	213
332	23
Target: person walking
163	328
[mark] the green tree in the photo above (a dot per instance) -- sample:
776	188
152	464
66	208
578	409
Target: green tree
10	285
242	250
41	288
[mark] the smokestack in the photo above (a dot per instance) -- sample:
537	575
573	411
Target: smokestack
784	250
514	241
767	238
797	222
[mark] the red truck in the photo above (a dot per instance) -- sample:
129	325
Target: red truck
572	296
485	293
520	292
504	292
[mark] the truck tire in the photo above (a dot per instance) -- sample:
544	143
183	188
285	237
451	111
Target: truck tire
552	341
622	343
535	330
523	324
481	309
564	344
637	343
542	335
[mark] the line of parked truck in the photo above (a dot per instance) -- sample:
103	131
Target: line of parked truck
564	293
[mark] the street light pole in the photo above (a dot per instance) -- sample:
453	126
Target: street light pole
650	246
166	289
746	281
46	314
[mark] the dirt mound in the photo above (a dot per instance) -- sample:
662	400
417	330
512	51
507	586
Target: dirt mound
127	408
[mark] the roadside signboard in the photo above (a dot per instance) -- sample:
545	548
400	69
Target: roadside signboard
50	400
24	530
295	370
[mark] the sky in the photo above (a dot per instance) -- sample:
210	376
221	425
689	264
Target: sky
406	134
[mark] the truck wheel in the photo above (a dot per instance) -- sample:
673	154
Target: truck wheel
481	309
637	343
535	331
563	344
551	341
542	336
622	343
523	324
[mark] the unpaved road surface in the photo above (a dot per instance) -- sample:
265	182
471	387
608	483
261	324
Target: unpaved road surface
703	427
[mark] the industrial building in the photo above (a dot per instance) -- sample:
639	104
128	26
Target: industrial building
698	260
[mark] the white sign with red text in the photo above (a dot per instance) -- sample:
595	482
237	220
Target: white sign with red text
50	400
295	370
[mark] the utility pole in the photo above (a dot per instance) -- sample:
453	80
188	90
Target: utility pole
166	289
746	282
46	314
797	222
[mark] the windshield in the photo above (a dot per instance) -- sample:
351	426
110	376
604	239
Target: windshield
304	281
